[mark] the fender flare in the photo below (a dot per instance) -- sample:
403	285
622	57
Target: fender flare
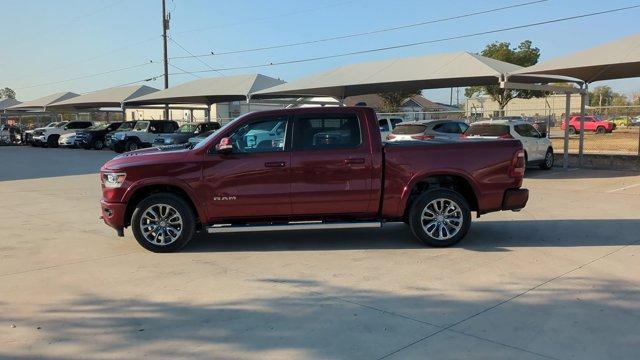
416	178
166	181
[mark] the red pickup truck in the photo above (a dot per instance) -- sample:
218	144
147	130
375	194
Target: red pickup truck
309	168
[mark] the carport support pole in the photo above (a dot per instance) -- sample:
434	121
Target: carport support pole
584	97
565	157
207	113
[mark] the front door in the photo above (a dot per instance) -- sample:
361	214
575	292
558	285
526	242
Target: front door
330	166
253	181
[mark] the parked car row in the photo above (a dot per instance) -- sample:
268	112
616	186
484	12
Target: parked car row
118	136
537	147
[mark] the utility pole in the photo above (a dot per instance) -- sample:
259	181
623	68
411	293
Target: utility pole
165	27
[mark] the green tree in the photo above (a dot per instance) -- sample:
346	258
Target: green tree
601	96
524	55
392	101
7	93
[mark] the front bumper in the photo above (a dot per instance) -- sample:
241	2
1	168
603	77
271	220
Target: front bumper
113	214
515	199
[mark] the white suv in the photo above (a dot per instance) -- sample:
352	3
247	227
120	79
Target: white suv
538	149
143	134
48	137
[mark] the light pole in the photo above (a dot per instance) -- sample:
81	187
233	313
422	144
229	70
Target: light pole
165	27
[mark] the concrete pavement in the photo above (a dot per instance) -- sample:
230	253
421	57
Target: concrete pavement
559	280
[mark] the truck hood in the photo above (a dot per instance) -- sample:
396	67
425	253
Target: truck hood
148	156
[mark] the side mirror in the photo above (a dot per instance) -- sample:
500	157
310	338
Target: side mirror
66	128
224	146
543	135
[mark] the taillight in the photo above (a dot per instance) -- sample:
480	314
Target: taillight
518	165
463	136
391	137
422	137
505	136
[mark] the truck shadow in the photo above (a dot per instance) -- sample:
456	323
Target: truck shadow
484	236
558	173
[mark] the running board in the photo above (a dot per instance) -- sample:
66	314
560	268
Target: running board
293	226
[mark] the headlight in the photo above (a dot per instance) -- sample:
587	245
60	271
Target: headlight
113	180
119	136
168	141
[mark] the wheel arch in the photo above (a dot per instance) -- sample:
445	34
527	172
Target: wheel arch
143	190
456	181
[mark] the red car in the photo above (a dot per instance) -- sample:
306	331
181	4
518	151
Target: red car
309	168
591	123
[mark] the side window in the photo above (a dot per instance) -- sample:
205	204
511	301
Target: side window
170	127
264	135
326	132
526	130
154	128
463	127
384	125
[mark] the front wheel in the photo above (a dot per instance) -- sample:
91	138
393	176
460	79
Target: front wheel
131	145
548	160
572	130
440	218
97	144
601	130
163	223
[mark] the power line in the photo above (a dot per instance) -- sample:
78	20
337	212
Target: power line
425	42
88	76
196	57
185	71
366	33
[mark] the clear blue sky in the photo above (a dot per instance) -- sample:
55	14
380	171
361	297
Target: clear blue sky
49	41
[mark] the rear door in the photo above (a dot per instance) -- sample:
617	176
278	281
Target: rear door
331	165
254	180
530	138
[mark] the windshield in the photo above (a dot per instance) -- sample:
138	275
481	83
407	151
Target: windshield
98	127
405	129
226	126
126	125
487	130
59	125
187	128
141	126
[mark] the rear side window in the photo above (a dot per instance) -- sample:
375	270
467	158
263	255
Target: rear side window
395	122
325	132
526	130
487	130
448	128
408	129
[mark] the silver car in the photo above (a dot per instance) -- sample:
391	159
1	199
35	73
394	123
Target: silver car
427	130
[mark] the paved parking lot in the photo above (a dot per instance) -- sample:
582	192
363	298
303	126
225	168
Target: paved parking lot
559	280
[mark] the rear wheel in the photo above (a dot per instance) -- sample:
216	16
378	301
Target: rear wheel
163	223
601	130
97	144
548	160
440	218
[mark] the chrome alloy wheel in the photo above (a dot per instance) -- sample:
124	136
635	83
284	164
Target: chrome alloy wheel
548	160
161	224
442	219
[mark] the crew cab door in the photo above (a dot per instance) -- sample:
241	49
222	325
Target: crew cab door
253	181
331	166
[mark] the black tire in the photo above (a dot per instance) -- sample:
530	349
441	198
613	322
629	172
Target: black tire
182	208
572	130
419	207
52	141
548	161
131	145
600	130
97	144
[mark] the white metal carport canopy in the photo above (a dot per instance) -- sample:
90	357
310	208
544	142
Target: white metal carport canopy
111	97
43	102
413	73
618	59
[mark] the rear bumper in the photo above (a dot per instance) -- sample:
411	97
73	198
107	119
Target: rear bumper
113	214
515	199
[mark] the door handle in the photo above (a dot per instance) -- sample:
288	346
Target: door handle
354	161
273	164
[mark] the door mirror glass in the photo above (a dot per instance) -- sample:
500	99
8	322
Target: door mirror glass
224	146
